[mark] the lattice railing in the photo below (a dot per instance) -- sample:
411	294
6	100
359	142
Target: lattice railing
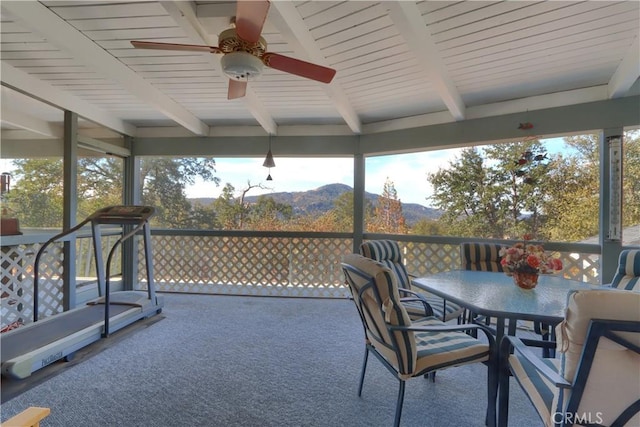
428	258
17	278
276	266
293	266
301	265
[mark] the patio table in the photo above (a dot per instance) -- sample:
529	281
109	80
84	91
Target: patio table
495	295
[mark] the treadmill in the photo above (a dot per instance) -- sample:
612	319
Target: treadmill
42	342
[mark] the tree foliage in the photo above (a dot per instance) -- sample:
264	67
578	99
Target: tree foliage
488	192
491	192
163	185
387	216
497	191
38	194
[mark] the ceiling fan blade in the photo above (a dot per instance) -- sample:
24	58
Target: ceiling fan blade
298	67
175	46
237	89
250	17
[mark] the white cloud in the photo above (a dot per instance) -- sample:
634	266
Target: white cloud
408	172
290	174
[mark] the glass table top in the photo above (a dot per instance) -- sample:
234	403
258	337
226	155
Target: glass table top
496	295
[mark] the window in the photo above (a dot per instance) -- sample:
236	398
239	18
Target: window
549	188
304	194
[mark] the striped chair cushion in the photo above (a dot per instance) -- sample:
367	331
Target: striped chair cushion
385	293
628	275
538	388
436	350
480	257
387	253
412	353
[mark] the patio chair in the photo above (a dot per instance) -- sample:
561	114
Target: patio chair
628	275
486	257
30	417
388	253
411	349
479	257
597	378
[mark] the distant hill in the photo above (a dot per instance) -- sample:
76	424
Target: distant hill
321	200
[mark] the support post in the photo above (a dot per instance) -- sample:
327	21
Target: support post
70	207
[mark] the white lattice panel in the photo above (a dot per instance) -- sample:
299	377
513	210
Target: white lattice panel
267	266
17	282
422	259
296	266
51	290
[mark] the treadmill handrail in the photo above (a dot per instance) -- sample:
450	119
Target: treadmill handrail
36	263
107	280
101	216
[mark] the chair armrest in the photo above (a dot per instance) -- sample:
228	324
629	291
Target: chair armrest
415	296
510	343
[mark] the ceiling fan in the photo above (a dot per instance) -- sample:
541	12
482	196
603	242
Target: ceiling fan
245	51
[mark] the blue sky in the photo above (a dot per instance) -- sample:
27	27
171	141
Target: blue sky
408	172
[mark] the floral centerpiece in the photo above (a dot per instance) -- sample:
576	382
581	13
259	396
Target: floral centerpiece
526	261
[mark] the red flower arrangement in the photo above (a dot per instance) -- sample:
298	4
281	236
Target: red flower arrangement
524	257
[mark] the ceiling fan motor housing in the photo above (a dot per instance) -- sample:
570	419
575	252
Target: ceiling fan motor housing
241	65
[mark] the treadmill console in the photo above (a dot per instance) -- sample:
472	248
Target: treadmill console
122	215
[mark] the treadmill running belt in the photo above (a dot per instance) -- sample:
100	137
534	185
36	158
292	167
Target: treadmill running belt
47	332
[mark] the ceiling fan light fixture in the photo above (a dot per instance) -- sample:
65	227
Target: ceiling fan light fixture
241	66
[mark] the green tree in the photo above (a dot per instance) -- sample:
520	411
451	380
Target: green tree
164	182
36	198
39	189
493	192
228	210
427	227
574	192
204	217
462	192
99	184
572	203
267	214
342	212
519	172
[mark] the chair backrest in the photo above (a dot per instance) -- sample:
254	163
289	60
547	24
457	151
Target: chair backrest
628	274
605	374
480	256
387	252
375	292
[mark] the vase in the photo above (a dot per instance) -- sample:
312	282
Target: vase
525	280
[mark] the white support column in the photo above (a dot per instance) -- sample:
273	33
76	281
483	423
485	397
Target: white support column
358	200
70	206
130	196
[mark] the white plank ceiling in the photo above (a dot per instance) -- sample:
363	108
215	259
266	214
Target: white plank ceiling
398	64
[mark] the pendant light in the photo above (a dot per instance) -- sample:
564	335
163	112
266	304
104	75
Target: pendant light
268	161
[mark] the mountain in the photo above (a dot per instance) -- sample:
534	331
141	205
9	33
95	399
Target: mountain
321	200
